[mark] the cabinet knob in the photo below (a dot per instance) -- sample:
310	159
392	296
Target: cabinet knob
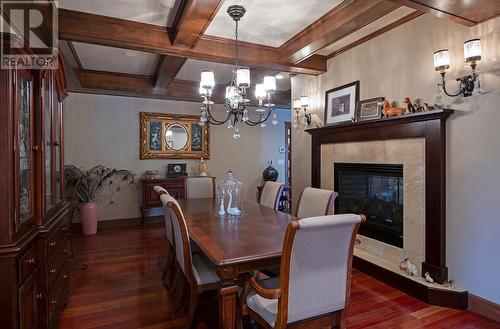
39	296
64	251
64	228
57	144
53	302
30	261
52	244
52	271
65	276
36	148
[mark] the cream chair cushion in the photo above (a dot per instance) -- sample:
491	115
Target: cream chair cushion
158	189
270	195
199	187
315	202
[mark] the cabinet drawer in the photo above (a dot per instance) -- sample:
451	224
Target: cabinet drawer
57	262
27	263
56	238
56	293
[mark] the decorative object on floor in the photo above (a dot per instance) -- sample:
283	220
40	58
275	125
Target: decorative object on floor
341	103
168	136
369	109
229	197
203	167
390	111
428	277
468	85
409	267
236	101
96	184
301	119
270	174
149	174
176	170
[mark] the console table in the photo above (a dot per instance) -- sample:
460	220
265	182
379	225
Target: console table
175	186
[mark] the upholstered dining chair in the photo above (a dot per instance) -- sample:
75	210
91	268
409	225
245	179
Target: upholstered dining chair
198	272
169	270
313	290
160	190
270	195
200	187
315	202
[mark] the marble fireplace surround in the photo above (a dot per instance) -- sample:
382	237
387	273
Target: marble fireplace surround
411	154
418	141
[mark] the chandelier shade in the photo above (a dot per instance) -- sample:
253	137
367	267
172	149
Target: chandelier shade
236	103
472	50
441	60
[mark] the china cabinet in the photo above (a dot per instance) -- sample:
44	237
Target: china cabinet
34	217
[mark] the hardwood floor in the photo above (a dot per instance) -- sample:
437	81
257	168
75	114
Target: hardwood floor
121	288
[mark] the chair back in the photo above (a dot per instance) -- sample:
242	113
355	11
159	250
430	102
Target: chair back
200	187
181	237
167	218
270	195
315	202
316	265
160	190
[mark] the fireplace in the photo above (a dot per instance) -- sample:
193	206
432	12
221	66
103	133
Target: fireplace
375	190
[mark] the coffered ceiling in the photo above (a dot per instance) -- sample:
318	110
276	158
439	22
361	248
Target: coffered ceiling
157	48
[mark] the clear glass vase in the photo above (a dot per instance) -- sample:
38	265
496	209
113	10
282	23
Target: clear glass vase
229	197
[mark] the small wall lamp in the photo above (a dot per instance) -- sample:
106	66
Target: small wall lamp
305	118
467	84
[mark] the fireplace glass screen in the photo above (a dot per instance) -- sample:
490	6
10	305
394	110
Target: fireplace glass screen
375	190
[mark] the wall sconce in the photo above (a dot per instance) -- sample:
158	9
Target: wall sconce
305	118
467	84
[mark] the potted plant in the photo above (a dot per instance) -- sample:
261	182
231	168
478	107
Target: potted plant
96	184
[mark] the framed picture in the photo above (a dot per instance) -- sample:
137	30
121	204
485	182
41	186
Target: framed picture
168	136
341	103
369	109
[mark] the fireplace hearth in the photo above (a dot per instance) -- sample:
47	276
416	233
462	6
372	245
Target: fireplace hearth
375	190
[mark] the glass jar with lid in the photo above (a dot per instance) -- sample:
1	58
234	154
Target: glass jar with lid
229	197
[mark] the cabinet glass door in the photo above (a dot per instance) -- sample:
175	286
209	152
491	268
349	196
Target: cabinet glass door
24	148
57	148
47	127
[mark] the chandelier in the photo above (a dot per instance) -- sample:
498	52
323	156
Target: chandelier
236	102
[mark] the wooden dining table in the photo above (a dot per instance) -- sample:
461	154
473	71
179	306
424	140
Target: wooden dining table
235	246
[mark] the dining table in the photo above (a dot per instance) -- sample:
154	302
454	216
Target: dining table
236	246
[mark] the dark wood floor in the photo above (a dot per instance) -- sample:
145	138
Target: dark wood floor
122	289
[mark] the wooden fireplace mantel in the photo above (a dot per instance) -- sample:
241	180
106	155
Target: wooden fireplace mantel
429	125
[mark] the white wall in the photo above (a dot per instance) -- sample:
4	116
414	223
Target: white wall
399	63
104	130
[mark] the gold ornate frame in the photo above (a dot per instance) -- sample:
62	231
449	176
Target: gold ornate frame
164	121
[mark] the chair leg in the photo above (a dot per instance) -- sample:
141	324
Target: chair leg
193	305
179	289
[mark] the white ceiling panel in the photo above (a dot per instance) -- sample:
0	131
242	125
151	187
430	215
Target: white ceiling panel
144	11
370	28
267	22
101	58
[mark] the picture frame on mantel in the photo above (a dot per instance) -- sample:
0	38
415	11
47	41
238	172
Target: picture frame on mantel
340	103
369	109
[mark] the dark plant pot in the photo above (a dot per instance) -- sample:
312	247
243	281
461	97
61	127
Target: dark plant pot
270	174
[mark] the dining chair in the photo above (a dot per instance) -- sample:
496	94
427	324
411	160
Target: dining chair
313	290
315	202
160	190
270	195
168	273
200	187
197	270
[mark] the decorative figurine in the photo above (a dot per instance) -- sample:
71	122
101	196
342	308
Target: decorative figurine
390	111
408	267
229	197
451	284
409	106
203	167
428	277
221	211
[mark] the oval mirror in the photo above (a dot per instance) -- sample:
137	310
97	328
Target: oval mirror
176	137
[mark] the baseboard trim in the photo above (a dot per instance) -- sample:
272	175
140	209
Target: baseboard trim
119	223
484	307
429	295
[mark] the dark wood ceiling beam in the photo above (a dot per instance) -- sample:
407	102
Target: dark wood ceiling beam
346	18
114	32
376	33
192	19
111	83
